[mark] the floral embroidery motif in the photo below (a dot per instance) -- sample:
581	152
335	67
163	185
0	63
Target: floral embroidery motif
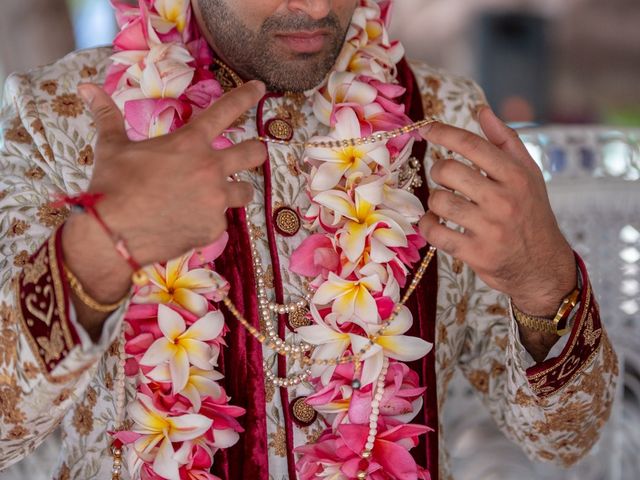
67	105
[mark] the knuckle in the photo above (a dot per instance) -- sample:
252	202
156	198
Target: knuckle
248	194
449	247
257	149
508	207
438	201
102	112
439	170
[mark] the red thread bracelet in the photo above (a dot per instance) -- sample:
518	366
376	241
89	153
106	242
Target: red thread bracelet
87	202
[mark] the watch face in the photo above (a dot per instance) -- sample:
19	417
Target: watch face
565	311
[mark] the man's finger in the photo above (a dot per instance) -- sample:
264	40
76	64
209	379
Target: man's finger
219	116
244	156
473	147
442	237
455	208
106	115
455	175
503	137
239	194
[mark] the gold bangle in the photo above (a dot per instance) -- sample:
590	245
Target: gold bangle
84	297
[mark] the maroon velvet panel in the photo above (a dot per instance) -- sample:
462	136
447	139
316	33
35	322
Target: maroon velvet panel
423	302
241	361
43	306
551	375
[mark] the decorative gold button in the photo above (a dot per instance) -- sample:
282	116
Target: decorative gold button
299	318
303	413
279	129
286	221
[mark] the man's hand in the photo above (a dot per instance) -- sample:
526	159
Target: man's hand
163	196
511	238
169	194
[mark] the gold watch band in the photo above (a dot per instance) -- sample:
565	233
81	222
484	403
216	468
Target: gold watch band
557	324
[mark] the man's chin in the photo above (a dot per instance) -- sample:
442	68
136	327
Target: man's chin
302	73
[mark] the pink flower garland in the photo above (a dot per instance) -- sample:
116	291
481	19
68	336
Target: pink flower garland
365	244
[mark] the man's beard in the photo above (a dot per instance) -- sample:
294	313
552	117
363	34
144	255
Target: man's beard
256	54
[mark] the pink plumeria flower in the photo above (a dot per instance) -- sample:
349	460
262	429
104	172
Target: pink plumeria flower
161	71
158	431
342	88
181	346
176	283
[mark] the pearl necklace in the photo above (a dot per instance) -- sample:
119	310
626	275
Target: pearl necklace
120	383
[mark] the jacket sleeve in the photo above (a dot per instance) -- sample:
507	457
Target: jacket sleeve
556	409
43	367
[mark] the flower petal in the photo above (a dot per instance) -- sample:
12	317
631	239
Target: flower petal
170	322
199	353
191	300
189	427
404	347
206	328
179	368
159	352
164	463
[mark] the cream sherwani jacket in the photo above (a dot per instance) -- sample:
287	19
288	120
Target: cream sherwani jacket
51	376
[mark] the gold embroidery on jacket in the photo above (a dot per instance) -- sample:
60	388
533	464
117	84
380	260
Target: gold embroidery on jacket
34	271
52	347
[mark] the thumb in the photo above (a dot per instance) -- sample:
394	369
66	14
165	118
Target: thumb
106	115
498	133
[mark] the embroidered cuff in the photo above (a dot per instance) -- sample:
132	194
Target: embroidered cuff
43	306
552	375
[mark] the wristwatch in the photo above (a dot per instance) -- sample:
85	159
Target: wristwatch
558	324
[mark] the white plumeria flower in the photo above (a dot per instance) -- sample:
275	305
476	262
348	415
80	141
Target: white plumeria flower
330	342
345	161
349	298
383	191
181	346
363	220
159	430
391	343
176	284
200	383
173	11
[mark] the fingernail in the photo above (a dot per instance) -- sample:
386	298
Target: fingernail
86	92
475	113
